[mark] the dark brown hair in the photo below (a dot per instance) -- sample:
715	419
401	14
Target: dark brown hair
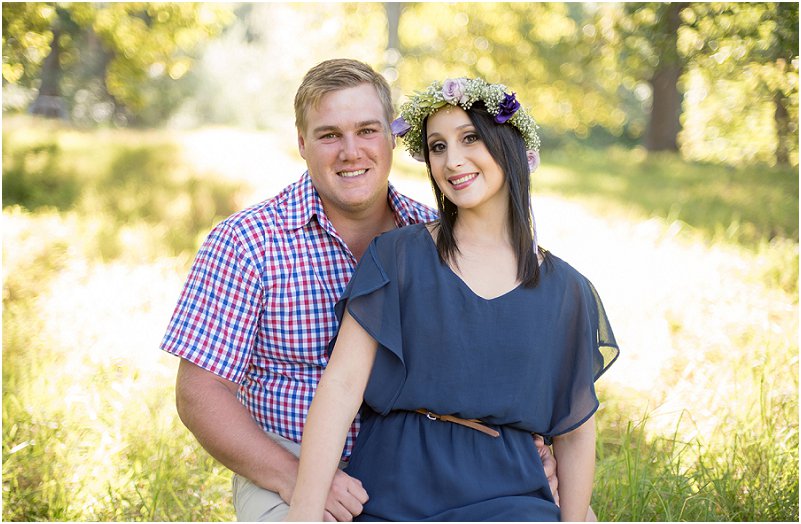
506	145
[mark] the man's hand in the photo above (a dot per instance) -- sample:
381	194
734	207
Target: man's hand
549	465
346	498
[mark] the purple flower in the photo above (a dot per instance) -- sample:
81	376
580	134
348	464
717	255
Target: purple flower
454	91
399	126
507	108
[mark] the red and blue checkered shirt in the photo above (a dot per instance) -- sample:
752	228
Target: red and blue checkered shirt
258	305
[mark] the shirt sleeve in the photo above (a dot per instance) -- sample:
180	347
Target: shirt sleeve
589	349
372	297
215	321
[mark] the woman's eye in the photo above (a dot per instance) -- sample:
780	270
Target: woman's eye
471	138
437	147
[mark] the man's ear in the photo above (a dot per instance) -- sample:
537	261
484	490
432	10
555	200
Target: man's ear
301	145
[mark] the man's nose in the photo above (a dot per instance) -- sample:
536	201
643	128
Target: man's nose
350	148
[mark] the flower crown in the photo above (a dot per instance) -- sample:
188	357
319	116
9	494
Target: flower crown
463	92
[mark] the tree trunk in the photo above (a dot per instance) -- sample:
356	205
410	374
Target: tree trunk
782	119
49	102
664	123
784	50
392	55
102	57
393	10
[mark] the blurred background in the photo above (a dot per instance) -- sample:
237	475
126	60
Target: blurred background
669	177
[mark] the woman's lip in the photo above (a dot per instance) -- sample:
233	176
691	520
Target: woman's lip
463	180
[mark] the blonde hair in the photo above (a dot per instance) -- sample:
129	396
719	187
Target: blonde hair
336	74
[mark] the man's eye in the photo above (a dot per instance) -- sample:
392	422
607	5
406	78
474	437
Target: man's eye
368	131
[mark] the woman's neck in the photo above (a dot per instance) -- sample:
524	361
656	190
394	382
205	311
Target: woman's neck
482	228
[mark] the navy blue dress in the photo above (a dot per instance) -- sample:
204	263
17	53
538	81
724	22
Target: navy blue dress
524	362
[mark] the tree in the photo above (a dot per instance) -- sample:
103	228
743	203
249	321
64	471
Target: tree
648	38
664	123
126	56
49	102
744	56
549	53
781	53
701	60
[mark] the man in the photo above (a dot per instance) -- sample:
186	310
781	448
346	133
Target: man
257	310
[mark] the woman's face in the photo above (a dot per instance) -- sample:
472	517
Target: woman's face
462	166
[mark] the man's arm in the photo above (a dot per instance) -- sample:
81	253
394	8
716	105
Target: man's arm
208	406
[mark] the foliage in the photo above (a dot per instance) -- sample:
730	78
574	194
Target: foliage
544	51
133	179
26	40
744	56
115	55
736	205
744	471
87	434
585	68
257	67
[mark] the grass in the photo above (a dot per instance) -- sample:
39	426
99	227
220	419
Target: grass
699	418
745	206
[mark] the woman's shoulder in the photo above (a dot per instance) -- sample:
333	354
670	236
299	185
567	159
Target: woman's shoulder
563	270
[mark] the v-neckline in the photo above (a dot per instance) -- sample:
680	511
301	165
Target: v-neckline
458	278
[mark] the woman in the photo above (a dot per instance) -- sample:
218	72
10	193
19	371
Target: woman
463	338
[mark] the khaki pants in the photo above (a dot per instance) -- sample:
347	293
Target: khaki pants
255	504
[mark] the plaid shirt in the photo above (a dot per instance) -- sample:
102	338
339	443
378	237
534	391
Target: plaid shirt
258	305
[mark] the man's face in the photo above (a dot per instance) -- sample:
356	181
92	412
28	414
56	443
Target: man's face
347	146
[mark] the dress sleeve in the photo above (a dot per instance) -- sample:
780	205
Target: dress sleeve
372	297
589	349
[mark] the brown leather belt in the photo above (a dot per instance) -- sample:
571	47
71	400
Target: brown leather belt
471	423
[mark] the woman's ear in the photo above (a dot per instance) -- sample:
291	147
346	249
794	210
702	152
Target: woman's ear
533	159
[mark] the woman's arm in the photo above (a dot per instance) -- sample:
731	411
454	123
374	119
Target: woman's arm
336	402
575	463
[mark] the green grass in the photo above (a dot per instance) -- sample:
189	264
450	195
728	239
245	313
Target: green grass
99	229
746	206
743	470
123	178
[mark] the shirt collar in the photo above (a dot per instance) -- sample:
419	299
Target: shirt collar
306	203
401	207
